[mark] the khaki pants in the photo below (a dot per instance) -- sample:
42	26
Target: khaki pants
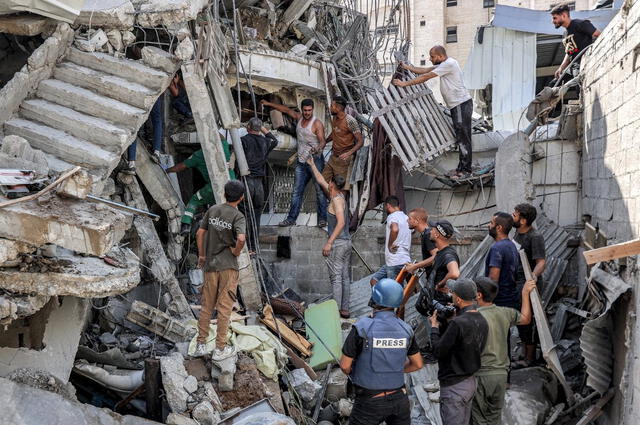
337	167
218	293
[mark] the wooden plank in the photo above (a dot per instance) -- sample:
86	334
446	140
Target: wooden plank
420	131
432	130
433	120
401	124
546	340
401	101
390	134
301	364
612	252
293	338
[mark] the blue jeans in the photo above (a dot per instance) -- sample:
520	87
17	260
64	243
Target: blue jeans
387	272
181	104
157	122
302	176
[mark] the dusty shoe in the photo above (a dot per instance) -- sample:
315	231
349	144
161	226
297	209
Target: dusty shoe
201	350
225	353
286	223
155	156
130	168
322	223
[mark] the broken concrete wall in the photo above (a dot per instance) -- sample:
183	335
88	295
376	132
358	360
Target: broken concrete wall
610	175
39	67
306	271
60	341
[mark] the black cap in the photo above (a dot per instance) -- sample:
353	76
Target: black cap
443	227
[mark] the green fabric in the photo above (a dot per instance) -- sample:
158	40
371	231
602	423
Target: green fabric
324	319
495	356
198	162
200	199
489	399
269	354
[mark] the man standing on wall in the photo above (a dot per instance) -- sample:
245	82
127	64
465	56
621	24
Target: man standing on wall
338	246
397	242
256	144
533	244
310	137
346	138
220	240
579	35
456	97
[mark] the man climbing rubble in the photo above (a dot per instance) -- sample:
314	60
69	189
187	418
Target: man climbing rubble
375	354
456	97
256	145
346	138
338	246
579	34
311	142
459	350
397	241
204	196
220	240
491	379
533	244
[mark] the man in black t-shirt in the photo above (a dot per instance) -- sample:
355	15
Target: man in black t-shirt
580	34
446	265
533	244
419	220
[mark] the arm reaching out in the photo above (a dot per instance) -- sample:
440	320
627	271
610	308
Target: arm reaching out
284	109
318	176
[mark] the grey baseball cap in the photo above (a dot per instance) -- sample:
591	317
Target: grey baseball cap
463	288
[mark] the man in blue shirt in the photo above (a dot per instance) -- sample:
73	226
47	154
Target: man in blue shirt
502	261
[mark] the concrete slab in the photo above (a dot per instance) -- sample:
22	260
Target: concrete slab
26	25
134	71
10	250
77	225
18	306
513	180
154	13
160	59
107	13
106	84
83	277
102	132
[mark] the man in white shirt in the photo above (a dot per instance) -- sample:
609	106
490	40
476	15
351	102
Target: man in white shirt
456	97
397	241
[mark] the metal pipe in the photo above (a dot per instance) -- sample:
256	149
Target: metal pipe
241	160
123	207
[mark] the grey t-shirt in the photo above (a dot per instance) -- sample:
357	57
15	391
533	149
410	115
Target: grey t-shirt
223	224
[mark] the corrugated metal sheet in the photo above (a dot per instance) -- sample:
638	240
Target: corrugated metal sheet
503	56
417	127
595	340
539	21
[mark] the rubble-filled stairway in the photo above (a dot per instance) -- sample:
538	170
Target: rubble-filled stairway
90	109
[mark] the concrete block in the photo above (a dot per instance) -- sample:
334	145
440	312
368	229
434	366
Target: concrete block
74	225
205	414
10	250
173	377
26	25
88	102
61	144
16	152
78	186
134	71
13	93
102	132
178	419
157	182
111	14
184	50
106	84
160	59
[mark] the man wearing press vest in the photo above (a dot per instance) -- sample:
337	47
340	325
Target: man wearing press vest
377	353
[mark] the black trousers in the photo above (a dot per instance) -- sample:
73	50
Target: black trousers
393	409
255	191
461	117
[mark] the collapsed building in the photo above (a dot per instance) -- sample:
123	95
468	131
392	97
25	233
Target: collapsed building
99	288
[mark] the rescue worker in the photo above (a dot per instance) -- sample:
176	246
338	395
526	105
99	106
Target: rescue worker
375	355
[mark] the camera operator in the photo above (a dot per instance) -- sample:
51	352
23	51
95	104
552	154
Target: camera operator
458	350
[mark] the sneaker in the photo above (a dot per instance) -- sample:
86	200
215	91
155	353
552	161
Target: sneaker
130	168
201	350
225	353
185	228
286	223
322	223
155	157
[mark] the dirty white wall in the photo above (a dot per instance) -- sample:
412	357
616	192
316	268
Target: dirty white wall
611	172
61	337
